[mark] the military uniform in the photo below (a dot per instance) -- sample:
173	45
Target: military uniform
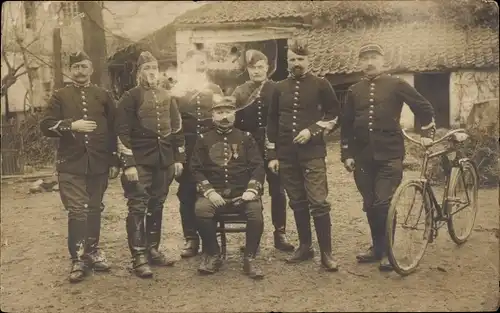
195	108
83	163
252	103
228	161
305	102
371	135
149	130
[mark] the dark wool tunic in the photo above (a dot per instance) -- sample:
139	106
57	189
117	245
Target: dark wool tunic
371	117
82	153
149	124
228	162
300	103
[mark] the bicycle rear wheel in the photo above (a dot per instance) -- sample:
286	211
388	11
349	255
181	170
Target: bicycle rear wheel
410	216
461	203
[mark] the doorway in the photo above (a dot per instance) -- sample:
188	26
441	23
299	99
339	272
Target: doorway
435	87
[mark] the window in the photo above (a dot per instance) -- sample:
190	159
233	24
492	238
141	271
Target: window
29	14
69	9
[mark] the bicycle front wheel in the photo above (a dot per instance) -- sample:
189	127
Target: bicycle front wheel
409	225
461	203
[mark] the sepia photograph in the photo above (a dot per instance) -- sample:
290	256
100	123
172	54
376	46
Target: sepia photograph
250	156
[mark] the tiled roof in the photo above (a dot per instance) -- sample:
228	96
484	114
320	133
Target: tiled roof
243	11
411	46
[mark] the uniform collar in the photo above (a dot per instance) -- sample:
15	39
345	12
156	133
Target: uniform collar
374	77
301	77
82	86
224	131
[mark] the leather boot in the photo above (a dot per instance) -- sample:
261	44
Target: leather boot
253	235
94	257
153	226
323	227
188	219
304	251
136	233
384	265
76	245
278	215
370	256
191	248
211	263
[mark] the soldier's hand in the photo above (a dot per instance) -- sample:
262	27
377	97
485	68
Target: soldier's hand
248	196
303	136
113	172
83	126
178	169
131	174
274	166
349	165
216	199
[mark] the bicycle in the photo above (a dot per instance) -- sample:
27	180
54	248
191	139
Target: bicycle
457	168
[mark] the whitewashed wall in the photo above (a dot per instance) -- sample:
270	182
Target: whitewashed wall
467	88
185	39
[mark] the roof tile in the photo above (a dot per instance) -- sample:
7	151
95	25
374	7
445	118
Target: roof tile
410	46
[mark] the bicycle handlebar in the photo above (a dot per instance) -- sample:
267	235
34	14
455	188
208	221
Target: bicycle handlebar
435	142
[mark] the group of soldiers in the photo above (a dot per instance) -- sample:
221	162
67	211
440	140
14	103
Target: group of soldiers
221	149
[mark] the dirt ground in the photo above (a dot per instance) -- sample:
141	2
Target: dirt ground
35	263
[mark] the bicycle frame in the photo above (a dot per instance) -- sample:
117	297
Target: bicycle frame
442	212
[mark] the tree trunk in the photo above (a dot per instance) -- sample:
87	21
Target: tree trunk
94	40
58	72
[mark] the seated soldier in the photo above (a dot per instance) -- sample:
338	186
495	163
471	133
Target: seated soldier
227	164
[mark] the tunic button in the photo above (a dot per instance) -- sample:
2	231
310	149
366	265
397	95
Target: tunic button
260	124
294	123
260	113
86	141
159	125
372	84
157	113
83	97
297	93
84	103
293	130
86	136
294	117
370	124
371	106
371	112
297	86
198	102
84	109
371	100
85	116
159	137
294	111
371	93
370	117
295	98
225	138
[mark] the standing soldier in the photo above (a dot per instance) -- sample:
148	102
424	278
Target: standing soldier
152	151
82	117
227	164
252	101
304	108
372	142
195	102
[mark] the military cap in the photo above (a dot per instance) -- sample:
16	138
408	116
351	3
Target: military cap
298	46
223	102
371	47
145	57
78	57
253	56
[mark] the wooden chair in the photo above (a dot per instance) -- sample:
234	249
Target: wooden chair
224	219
